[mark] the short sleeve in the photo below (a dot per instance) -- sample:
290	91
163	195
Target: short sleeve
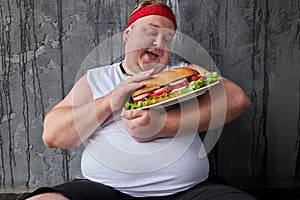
93	79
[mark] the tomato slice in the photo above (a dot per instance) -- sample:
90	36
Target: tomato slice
160	91
196	78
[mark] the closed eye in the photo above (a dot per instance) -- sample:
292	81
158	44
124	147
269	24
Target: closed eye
152	31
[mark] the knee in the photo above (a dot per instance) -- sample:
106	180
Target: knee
48	196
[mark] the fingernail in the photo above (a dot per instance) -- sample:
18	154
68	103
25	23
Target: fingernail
149	72
122	114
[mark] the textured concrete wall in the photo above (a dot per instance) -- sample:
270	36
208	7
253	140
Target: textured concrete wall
256	43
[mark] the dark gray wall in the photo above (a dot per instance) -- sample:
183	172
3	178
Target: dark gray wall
255	43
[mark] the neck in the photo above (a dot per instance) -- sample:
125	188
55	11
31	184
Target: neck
129	70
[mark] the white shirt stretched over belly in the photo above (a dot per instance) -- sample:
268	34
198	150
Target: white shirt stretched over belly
158	168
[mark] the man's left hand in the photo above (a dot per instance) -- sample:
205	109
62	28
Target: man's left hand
143	125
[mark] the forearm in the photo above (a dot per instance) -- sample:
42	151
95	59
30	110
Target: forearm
211	110
67	127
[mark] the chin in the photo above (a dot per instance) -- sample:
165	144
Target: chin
157	66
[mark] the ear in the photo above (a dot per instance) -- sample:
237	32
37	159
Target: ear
126	33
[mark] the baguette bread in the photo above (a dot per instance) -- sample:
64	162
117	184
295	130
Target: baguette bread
163	78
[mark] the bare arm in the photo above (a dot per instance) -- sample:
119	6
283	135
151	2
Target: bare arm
75	118
78	115
212	113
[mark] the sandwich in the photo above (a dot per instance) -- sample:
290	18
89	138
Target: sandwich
169	84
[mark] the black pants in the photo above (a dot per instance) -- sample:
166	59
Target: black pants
80	189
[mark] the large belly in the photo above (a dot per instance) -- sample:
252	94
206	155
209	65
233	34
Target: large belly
161	167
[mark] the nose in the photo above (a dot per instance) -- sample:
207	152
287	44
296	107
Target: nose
158	42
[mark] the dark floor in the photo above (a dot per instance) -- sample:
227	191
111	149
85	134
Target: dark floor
260	194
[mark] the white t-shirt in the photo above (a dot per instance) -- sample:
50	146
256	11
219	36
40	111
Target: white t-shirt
157	168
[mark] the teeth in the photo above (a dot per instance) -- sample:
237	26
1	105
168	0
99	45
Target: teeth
152	54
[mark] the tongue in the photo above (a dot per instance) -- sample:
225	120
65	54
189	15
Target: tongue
152	55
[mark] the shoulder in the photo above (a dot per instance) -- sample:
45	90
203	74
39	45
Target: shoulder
102	80
97	73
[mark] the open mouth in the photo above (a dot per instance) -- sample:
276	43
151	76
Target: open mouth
151	54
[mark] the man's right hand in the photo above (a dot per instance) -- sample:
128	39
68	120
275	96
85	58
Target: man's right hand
121	92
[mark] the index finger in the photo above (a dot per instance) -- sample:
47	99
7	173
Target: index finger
141	76
132	114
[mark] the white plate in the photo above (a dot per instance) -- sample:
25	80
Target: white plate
181	98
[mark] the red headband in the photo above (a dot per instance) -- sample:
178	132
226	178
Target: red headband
152	10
